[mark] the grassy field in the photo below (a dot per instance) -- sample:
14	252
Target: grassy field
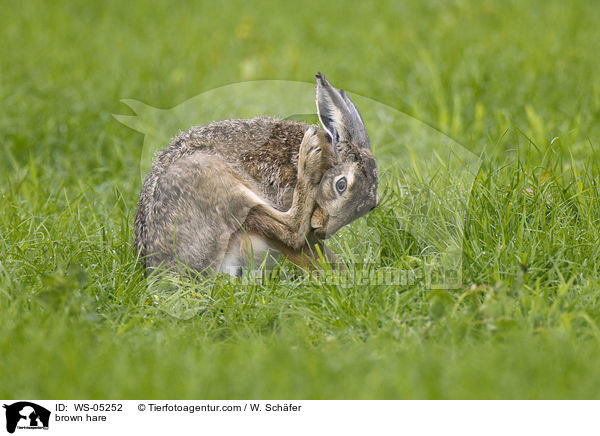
516	83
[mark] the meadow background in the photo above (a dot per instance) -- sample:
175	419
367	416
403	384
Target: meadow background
515	82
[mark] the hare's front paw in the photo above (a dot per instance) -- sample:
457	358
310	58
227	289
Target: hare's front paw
313	157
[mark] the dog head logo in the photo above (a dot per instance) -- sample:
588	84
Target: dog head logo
24	414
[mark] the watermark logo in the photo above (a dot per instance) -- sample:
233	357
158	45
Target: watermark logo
425	176
25	415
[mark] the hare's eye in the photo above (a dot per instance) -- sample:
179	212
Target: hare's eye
340	185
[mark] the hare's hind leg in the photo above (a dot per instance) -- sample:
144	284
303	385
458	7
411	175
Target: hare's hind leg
198	204
291	227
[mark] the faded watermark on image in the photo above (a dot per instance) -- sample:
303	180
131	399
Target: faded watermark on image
425	180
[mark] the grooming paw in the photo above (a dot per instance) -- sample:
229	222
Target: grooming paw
313	159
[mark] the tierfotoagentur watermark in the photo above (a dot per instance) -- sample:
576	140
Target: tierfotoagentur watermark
412	157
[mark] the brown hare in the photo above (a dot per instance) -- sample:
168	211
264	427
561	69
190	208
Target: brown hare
222	195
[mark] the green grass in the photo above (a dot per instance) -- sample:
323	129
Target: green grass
502	78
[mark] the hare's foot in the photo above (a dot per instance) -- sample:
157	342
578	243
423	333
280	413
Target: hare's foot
311	255
291	227
314	156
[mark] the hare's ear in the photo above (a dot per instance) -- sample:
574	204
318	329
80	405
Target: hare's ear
338	115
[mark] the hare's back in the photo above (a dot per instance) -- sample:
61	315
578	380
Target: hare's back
264	150
252	140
